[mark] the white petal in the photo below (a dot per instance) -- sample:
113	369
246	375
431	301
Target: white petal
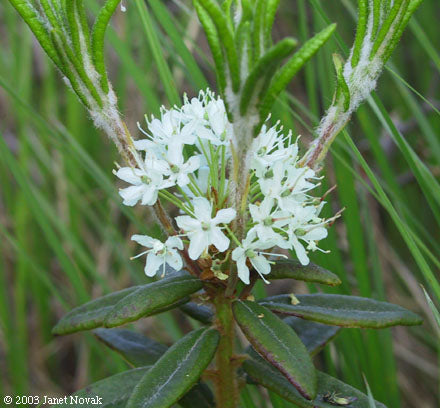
132	194
192	164
202	208
130	175
175	153
182	180
316	234
220	240
174	242
143	144
174	260
300	251
187	223
237	253
224	216
198	243
149	197
153	263
261	264
243	270
144	240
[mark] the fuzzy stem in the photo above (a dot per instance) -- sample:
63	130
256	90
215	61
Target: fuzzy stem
226	383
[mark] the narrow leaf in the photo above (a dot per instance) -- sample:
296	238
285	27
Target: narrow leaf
291	269
343	310
90	315
278	344
271	58
137	349
152	299
176	371
141	351
112	392
288	71
227	39
98	33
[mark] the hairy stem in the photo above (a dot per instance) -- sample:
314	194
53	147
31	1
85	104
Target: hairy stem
226	384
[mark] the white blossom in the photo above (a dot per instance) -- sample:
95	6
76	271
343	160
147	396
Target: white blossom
249	250
145	185
188	151
203	230
160	253
268	222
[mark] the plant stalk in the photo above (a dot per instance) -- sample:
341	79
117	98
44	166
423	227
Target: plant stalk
226	382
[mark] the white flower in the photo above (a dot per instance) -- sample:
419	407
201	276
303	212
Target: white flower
249	250
268	148
307	226
160	253
287	184
145	185
175	168
203	230
266	220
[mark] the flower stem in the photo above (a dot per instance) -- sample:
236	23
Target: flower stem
226	384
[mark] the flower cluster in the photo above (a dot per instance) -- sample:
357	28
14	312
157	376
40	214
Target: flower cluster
187	158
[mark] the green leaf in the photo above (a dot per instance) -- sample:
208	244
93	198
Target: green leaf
288	71
343	310
198	312
214	44
113	391
137	349
291	269
278	344
263	65
98	34
176	371
90	315
140	351
152	299
262	373
314	335
227	39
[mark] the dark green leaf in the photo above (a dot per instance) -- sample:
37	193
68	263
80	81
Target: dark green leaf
278	344
113	391
314	335
199	396
176	371
263	373
152	299
90	315
137	349
141	351
342	310
291	269
198	312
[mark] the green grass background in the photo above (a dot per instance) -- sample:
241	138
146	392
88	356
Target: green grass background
64	235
